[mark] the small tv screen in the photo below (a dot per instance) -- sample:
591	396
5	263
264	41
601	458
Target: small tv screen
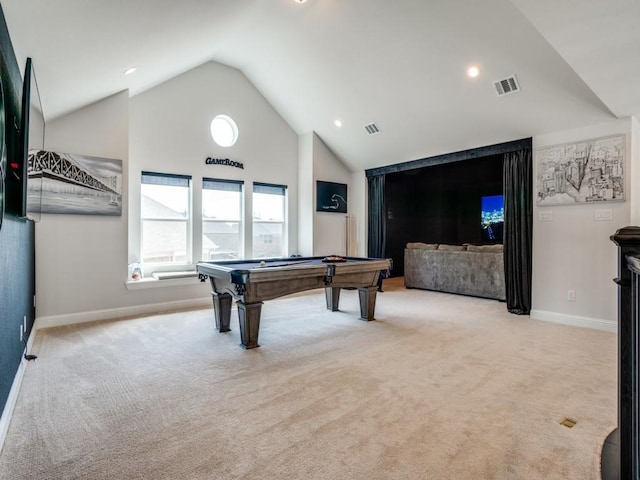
492	218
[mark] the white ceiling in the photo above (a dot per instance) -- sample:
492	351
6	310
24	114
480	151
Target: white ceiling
400	64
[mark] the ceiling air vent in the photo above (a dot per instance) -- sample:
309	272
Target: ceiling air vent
372	128
507	85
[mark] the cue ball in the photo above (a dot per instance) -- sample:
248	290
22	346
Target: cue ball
263	263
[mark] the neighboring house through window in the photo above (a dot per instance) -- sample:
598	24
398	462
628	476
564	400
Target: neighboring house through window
173	237
222	228
166	218
269	220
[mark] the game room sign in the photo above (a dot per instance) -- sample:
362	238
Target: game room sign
223	161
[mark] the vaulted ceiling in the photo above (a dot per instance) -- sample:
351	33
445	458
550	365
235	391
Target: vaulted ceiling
399	64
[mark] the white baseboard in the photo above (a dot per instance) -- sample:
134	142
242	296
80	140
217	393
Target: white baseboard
575	320
7	413
121	312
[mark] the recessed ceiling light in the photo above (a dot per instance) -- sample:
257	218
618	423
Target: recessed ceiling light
473	71
129	71
337	123
300	1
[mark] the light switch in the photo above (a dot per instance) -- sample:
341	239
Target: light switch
545	216
603	214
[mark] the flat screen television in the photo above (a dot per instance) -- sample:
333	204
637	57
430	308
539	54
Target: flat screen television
492	218
32	138
3	154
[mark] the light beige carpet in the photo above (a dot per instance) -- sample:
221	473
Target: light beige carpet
438	387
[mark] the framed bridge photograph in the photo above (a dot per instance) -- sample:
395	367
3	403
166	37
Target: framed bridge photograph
331	197
73	184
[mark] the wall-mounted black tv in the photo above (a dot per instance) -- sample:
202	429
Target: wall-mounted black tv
32	127
3	153
492	218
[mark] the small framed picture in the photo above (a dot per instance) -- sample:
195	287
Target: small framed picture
331	197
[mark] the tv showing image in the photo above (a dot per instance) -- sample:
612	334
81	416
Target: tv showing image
492	218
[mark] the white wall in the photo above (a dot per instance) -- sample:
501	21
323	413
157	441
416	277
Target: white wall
358	206
573	251
322	233
81	261
330	229
635	171
306	194
170	134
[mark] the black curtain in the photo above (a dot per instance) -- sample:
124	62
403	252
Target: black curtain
518	210
377	217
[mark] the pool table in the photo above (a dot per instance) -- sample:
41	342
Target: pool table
251	282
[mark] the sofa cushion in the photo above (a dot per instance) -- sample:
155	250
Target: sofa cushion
453	248
422	246
485	248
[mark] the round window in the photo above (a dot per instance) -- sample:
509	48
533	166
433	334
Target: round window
224	130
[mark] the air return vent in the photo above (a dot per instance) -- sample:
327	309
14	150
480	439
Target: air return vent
372	128
507	85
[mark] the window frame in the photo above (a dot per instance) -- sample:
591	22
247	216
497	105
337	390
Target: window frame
233	185
149	267
273	189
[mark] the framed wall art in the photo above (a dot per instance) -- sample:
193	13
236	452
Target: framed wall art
331	197
581	172
74	184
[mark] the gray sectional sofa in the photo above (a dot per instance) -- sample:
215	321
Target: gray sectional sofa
476	270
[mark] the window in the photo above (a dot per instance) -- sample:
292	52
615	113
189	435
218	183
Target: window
165	214
269	220
221	219
224	131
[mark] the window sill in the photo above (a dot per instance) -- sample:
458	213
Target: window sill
151	282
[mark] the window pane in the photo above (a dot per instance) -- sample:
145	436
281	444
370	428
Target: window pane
165	215
164	241
268	207
221	205
164	201
268	220
220	240
221	219
267	239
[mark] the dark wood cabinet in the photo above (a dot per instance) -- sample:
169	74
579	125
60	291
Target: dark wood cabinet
620	451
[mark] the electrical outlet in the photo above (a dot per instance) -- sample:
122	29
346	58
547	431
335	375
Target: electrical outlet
571	295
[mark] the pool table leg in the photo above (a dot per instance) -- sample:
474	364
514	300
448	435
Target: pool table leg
249	316
332	294
367	302
222	310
